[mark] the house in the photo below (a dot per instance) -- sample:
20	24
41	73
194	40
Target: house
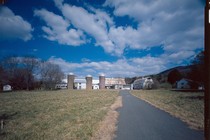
143	83
95	84
188	84
7	88
80	83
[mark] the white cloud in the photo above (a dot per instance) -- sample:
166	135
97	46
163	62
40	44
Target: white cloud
95	24
177	25
149	64
159	23
13	26
57	29
178	57
120	68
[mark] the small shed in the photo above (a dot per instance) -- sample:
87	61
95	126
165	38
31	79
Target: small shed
7	88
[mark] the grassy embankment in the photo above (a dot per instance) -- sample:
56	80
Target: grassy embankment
60	114
187	106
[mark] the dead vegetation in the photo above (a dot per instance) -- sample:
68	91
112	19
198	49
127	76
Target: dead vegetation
64	114
107	127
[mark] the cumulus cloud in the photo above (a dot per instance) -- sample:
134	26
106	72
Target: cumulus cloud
119	68
159	23
94	24
57	29
177	25
13	26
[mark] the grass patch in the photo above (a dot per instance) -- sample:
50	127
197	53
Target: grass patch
108	126
64	114
188	106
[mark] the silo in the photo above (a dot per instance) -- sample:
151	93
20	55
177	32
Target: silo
70	84
101	81
89	82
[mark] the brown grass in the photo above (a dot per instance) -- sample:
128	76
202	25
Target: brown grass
107	127
64	114
187	106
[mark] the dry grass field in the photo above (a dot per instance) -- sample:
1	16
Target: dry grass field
63	114
188	106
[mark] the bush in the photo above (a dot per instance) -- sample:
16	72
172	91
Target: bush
165	86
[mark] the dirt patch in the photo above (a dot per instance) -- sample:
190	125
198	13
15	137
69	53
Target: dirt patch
107	127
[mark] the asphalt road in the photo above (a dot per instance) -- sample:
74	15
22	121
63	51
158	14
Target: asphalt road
139	120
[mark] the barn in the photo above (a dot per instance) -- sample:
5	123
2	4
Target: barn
143	83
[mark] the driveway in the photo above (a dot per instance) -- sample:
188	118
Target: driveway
139	120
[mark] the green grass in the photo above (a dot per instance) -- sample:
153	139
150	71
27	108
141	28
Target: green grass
64	114
187	106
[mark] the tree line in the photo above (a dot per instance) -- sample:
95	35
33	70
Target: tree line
29	73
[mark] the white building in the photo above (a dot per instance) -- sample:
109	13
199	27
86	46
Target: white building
80	83
143	83
95	84
114	83
61	86
183	84
110	83
7	88
189	84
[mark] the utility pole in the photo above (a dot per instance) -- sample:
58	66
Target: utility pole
207	71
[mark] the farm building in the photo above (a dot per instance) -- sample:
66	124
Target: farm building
7	88
110	83
188	84
95	84
114	83
143	83
61	86
80	83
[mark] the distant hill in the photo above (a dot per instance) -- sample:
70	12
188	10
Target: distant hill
181	69
162	77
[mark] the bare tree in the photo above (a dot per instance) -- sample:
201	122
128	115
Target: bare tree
9	70
30	64
51	74
18	72
1	77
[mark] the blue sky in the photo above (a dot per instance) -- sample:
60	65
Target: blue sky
120	38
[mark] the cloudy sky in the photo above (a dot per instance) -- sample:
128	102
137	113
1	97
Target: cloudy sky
120	38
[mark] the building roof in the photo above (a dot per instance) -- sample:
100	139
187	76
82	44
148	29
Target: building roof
80	80
190	81
115	81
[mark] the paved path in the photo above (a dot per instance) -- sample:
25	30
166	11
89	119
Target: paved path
139	120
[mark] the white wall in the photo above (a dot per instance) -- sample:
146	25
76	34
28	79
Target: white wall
183	84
